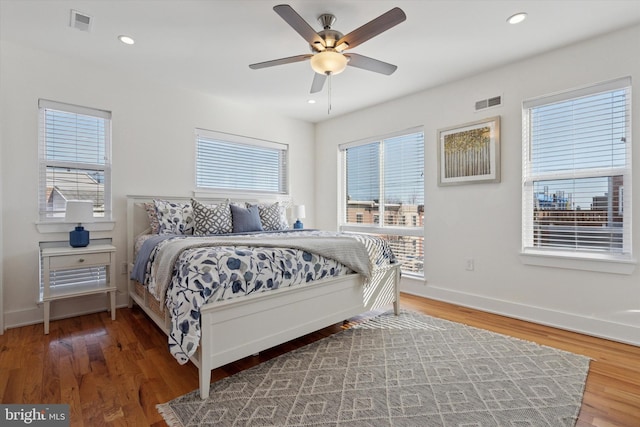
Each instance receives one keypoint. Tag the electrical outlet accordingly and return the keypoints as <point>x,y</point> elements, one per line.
<point>469,264</point>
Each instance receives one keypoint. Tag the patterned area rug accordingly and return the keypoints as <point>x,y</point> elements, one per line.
<point>406,370</point>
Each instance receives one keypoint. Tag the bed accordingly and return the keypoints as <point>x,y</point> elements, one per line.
<point>325,293</point>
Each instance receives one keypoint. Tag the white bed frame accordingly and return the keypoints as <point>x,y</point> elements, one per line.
<point>266,319</point>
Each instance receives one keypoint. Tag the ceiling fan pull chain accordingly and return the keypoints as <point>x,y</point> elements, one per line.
<point>329,93</point>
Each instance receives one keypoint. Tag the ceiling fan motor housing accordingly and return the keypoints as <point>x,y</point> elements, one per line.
<point>329,36</point>
<point>326,20</point>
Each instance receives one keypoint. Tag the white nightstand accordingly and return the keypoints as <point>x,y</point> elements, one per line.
<point>68,258</point>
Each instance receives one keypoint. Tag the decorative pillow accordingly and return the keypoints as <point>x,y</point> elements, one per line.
<point>174,218</point>
<point>150,207</point>
<point>211,219</point>
<point>245,219</point>
<point>273,217</point>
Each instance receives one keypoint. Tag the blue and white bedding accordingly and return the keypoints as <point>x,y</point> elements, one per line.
<point>208,269</point>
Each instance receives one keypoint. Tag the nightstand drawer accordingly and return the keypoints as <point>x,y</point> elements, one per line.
<point>79,260</point>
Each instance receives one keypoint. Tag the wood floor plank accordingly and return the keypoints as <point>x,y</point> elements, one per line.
<point>70,390</point>
<point>50,392</point>
<point>90,401</point>
<point>13,392</point>
<point>32,387</point>
<point>114,373</point>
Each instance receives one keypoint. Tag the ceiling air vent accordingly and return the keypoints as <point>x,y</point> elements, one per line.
<point>489,102</point>
<point>80,20</point>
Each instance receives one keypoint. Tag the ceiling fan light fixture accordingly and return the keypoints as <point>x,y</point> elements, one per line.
<point>329,62</point>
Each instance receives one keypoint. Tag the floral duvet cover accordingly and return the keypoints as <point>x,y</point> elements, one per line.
<point>215,273</point>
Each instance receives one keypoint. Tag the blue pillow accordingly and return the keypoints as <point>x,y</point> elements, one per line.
<point>245,219</point>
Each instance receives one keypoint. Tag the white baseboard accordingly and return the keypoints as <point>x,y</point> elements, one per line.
<point>614,331</point>
<point>60,309</point>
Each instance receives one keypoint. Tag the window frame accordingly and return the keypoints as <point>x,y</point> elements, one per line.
<point>283,172</point>
<point>47,223</point>
<point>602,261</point>
<point>376,227</point>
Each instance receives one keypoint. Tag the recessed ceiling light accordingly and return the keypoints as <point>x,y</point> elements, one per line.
<point>126,39</point>
<point>311,101</point>
<point>517,18</point>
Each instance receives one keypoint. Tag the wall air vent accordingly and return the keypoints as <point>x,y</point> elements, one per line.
<point>489,102</point>
<point>80,20</point>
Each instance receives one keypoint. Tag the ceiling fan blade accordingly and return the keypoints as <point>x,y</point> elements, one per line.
<point>366,63</point>
<point>318,82</point>
<point>373,28</point>
<point>281,61</point>
<point>301,26</point>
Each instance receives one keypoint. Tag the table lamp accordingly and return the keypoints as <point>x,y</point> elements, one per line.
<point>298,212</point>
<point>79,212</point>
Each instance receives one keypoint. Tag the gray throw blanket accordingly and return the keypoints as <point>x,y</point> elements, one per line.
<point>346,250</point>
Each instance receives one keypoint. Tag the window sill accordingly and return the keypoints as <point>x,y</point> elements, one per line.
<point>62,227</point>
<point>584,262</point>
<point>387,229</point>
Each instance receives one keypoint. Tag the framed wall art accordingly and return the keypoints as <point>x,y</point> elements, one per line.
<point>469,153</point>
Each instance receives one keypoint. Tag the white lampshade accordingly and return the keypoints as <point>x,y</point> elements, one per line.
<point>298,211</point>
<point>79,211</point>
<point>329,62</point>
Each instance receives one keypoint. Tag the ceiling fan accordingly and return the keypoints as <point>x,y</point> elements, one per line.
<point>328,46</point>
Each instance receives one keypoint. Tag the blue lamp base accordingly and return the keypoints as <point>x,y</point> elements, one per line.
<point>298,225</point>
<point>79,238</point>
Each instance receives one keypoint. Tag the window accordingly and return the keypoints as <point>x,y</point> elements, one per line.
<point>75,148</point>
<point>576,164</point>
<point>231,162</point>
<point>384,180</point>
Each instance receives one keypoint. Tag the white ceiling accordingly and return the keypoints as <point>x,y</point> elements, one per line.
<point>207,45</point>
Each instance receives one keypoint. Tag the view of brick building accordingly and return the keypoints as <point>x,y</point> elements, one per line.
<point>408,249</point>
<point>558,222</point>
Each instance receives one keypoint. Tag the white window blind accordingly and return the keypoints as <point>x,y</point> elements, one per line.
<point>75,144</point>
<point>403,181</point>
<point>577,171</point>
<point>384,180</point>
<point>231,162</point>
<point>61,281</point>
<point>363,174</point>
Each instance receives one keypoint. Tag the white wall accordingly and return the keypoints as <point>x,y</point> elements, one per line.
<point>153,154</point>
<point>483,221</point>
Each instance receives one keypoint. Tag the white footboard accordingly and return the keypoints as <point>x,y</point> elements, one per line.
<point>279,316</point>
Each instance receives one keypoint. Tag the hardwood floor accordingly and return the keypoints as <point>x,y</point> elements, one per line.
<point>115,372</point>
